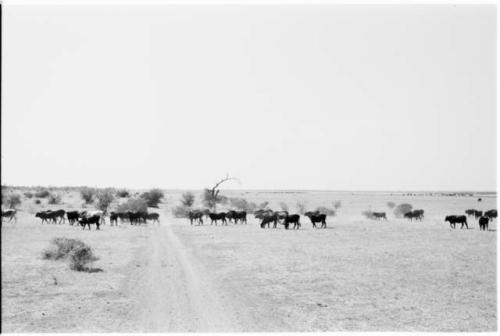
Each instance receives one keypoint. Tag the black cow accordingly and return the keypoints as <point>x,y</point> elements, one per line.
<point>379,215</point>
<point>90,220</point>
<point>214,217</point>
<point>196,215</point>
<point>267,219</point>
<point>292,219</point>
<point>483,223</point>
<point>153,216</point>
<point>316,217</point>
<point>281,215</point>
<point>453,220</point>
<point>417,214</point>
<point>137,217</point>
<point>72,217</point>
<point>470,212</point>
<point>10,214</point>
<point>241,216</point>
<point>113,218</point>
<point>491,214</point>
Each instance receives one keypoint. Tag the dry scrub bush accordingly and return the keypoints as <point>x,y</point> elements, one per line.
<point>391,205</point>
<point>368,214</point>
<point>122,193</point>
<point>242,204</point>
<point>180,211</point>
<point>42,193</point>
<point>54,199</point>
<point>401,209</point>
<point>153,197</point>
<point>337,204</point>
<point>79,254</point>
<point>88,194</point>
<point>187,199</point>
<point>134,205</point>
<point>301,208</point>
<point>283,206</point>
<point>29,194</point>
<point>37,201</point>
<point>325,210</point>
<point>12,201</point>
<point>104,199</point>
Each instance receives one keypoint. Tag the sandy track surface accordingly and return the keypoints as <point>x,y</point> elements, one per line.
<point>174,292</point>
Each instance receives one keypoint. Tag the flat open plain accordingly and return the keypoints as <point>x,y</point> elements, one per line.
<point>356,275</point>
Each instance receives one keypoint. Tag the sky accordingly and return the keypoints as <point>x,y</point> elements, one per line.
<point>329,97</point>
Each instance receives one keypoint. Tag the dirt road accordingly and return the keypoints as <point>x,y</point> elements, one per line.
<point>174,292</point>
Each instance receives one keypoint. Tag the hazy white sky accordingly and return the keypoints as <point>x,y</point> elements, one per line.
<point>365,97</point>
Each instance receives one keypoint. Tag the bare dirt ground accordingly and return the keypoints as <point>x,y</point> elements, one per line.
<point>356,275</point>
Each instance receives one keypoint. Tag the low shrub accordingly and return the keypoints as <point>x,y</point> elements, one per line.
<point>187,199</point>
<point>80,258</point>
<point>134,205</point>
<point>42,193</point>
<point>104,199</point>
<point>78,253</point>
<point>391,205</point>
<point>12,201</point>
<point>301,208</point>
<point>29,194</point>
<point>368,214</point>
<point>180,211</point>
<point>401,209</point>
<point>325,210</point>
<point>88,194</point>
<point>122,193</point>
<point>37,201</point>
<point>54,199</point>
<point>153,197</point>
<point>337,205</point>
<point>283,206</point>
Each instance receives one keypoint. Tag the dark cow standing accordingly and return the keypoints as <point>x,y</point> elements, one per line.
<point>453,220</point>
<point>491,214</point>
<point>483,223</point>
<point>196,215</point>
<point>316,217</point>
<point>155,217</point>
<point>113,218</point>
<point>10,214</point>
<point>214,217</point>
<point>241,216</point>
<point>90,220</point>
<point>72,217</point>
<point>292,219</point>
<point>268,219</point>
<point>379,215</point>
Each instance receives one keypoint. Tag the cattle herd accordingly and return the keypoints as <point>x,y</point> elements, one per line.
<point>87,218</point>
<point>266,217</point>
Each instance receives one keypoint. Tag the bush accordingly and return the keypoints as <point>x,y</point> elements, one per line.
<point>42,193</point>
<point>368,214</point>
<point>37,201</point>
<point>13,200</point>
<point>391,205</point>
<point>104,199</point>
<point>283,206</point>
<point>80,258</point>
<point>153,197</point>
<point>28,194</point>
<point>242,204</point>
<point>325,210</point>
<point>134,205</point>
<point>122,193</point>
<point>337,205</point>
<point>88,194</point>
<point>180,211</point>
<point>263,205</point>
<point>54,199</point>
<point>401,209</point>
<point>187,199</point>
<point>79,253</point>
<point>301,208</point>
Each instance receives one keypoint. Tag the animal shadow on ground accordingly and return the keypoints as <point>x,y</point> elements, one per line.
<point>92,270</point>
